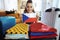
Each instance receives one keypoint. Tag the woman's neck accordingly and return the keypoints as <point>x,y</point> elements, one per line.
<point>29,12</point>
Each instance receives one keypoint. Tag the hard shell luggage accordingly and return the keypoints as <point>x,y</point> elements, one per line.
<point>20,28</point>
<point>40,27</point>
<point>6,22</point>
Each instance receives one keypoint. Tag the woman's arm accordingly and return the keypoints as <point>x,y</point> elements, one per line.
<point>21,17</point>
<point>37,16</point>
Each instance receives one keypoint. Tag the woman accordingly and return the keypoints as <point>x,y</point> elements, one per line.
<point>29,14</point>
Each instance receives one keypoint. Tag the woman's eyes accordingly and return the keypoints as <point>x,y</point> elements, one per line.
<point>29,6</point>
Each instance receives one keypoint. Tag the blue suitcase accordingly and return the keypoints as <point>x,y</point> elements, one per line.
<point>41,33</point>
<point>6,22</point>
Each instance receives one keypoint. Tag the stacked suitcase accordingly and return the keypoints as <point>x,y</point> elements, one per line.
<point>20,30</point>
<point>6,23</point>
<point>39,30</point>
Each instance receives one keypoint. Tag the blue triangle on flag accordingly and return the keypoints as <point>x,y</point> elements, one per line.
<point>24,17</point>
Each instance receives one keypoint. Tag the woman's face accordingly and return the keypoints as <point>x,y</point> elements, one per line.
<point>29,7</point>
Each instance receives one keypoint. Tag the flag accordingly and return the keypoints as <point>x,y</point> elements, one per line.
<point>29,18</point>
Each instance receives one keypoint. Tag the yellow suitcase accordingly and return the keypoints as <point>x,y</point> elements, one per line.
<point>21,28</point>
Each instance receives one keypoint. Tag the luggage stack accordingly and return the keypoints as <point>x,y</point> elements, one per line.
<point>39,30</point>
<point>6,22</point>
<point>18,29</point>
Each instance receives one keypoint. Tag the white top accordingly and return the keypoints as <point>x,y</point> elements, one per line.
<point>30,15</point>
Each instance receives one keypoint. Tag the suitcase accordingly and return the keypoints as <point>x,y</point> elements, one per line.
<point>18,29</point>
<point>6,22</point>
<point>48,36</point>
<point>40,30</point>
<point>41,33</point>
<point>40,27</point>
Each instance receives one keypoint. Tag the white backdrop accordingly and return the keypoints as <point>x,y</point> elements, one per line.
<point>1,4</point>
<point>8,4</point>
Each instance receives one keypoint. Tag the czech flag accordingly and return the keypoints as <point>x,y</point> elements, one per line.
<point>28,19</point>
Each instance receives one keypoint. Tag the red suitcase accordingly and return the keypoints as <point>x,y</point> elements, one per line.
<point>40,27</point>
<point>48,36</point>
